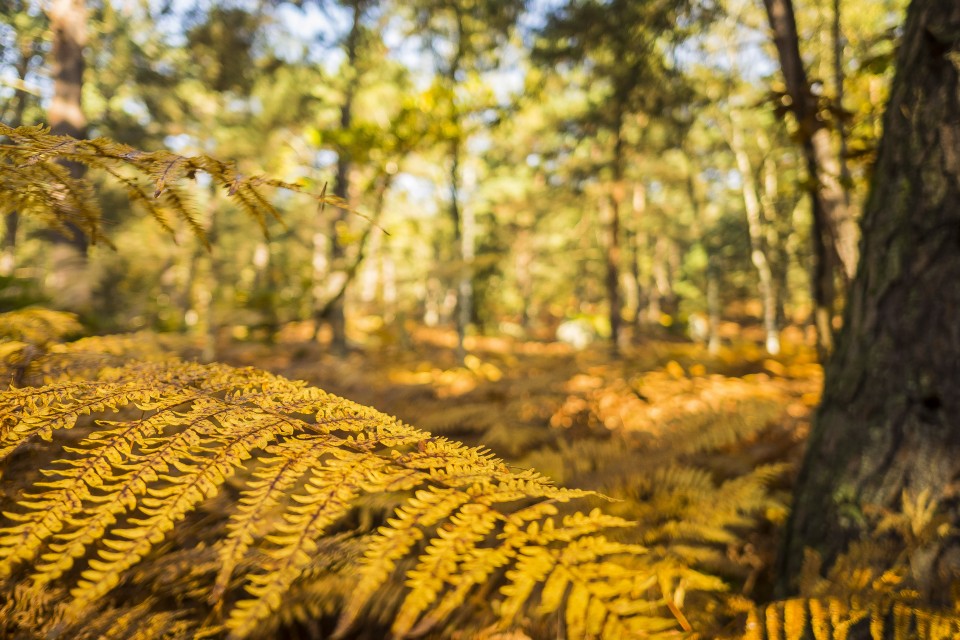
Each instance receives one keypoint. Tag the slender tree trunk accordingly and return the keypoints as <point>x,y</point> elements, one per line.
<point>758,248</point>
<point>467,242</point>
<point>659,280</point>
<point>641,248</point>
<point>703,227</point>
<point>201,278</point>
<point>69,276</point>
<point>266,283</point>
<point>822,283</point>
<point>336,315</point>
<point>885,435</point>
<point>334,294</point>
<point>462,236</point>
<point>523,263</point>
<point>612,279</point>
<point>714,311</point>
<point>462,310</point>
<point>8,253</point>
<point>320,279</point>
<point>633,239</point>
<point>582,289</point>
<point>838,80</point>
<point>833,222</point>
<point>776,239</point>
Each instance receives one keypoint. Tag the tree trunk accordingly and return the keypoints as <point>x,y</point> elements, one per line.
<point>69,278</point>
<point>835,245</point>
<point>887,429</point>
<point>714,311</point>
<point>523,267</point>
<point>332,295</point>
<point>633,241</point>
<point>838,80</point>
<point>704,227</point>
<point>612,249</point>
<point>467,244</point>
<point>759,252</point>
<point>462,312</point>
<point>335,314</point>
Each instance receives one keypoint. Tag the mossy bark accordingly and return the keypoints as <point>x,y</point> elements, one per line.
<point>889,421</point>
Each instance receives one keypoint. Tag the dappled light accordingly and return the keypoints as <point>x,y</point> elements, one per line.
<point>479,319</point>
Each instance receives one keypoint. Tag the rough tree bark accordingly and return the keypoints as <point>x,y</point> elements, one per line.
<point>889,423</point>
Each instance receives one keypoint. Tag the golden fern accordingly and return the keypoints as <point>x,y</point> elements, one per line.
<point>833,618</point>
<point>34,183</point>
<point>37,326</point>
<point>139,493</point>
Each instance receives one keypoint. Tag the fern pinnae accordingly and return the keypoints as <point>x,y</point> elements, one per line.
<point>138,196</point>
<point>534,563</point>
<point>475,570</point>
<point>42,410</point>
<point>164,171</point>
<point>819,620</point>
<point>120,493</point>
<point>261,205</point>
<point>292,458</point>
<point>80,197</point>
<point>327,497</point>
<point>208,456</point>
<point>140,621</point>
<point>48,511</point>
<point>105,448</point>
<point>394,541</point>
<point>438,564</point>
<point>178,202</point>
<point>250,205</point>
<point>603,598</point>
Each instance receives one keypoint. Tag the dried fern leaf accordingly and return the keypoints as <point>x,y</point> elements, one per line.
<point>33,182</point>
<point>114,499</point>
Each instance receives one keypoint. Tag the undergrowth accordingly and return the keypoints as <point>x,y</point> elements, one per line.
<point>229,498</point>
<point>145,496</point>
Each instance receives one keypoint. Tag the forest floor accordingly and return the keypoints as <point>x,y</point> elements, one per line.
<point>701,450</point>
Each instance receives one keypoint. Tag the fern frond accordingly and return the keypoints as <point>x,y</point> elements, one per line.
<point>34,183</point>
<point>125,490</point>
<point>38,326</point>
<point>327,497</point>
<point>394,541</point>
<point>882,616</point>
<point>602,601</point>
<point>292,458</point>
<point>438,565</point>
<point>139,622</point>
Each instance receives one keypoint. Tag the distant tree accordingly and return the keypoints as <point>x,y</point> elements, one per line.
<point>465,38</point>
<point>887,434</point>
<point>834,227</point>
<point>622,46</point>
<point>23,57</point>
<point>68,24</point>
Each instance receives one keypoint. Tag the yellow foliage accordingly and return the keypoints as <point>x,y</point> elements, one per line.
<point>34,183</point>
<point>139,498</point>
